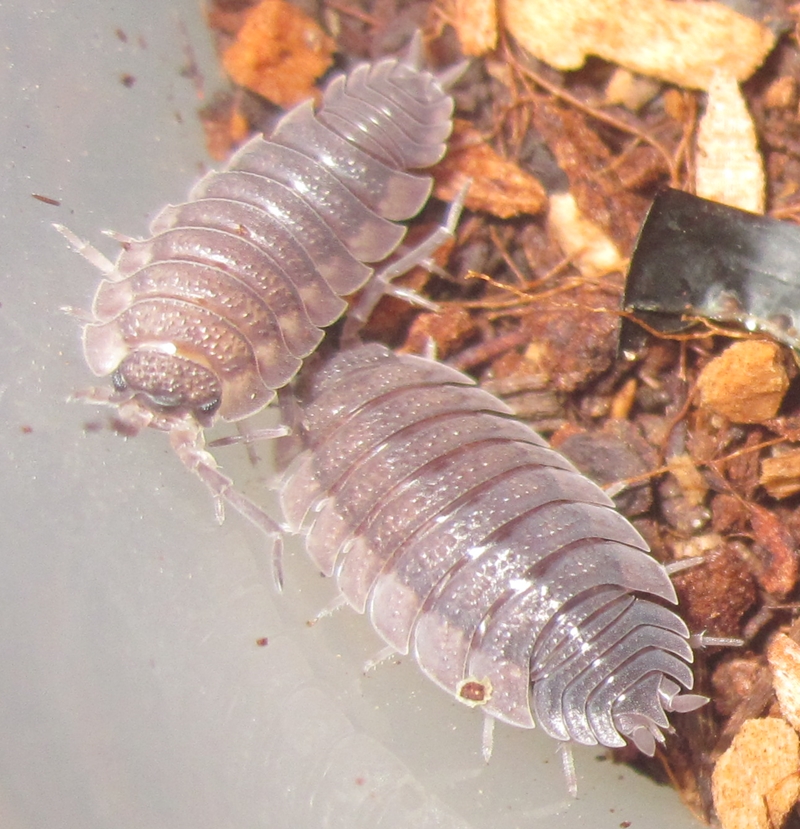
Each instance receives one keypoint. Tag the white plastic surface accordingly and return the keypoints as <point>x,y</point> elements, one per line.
<point>133,692</point>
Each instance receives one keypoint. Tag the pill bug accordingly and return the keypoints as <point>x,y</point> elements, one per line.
<point>471,542</point>
<point>205,318</point>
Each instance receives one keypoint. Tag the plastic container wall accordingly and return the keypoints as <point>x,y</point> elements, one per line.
<point>136,689</point>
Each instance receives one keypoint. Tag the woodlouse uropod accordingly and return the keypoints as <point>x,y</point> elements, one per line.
<point>212,313</point>
<point>468,540</point>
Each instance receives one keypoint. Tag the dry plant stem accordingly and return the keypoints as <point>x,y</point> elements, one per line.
<point>486,351</point>
<point>683,154</point>
<point>597,114</point>
<point>619,160</point>
<point>625,483</point>
<point>525,300</point>
<point>496,305</point>
<point>710,328</point>
<point>553,272</point>
<point>503,250</point>
<point>353,12</point>
<point>525,310</point>
<point>662,470</point>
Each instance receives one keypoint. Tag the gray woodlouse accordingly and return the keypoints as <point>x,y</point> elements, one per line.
<point>216,309</point>
<point>472,543</point>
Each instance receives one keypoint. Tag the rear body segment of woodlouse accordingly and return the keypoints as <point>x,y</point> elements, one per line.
<point>218,307</point>
<point>473,544</point>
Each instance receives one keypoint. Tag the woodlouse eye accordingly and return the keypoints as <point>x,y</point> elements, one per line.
<point>210,407</point>
<point>119,381</point>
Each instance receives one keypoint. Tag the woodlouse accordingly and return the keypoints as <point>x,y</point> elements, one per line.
<point>217,308</point>
<point>467,539</point>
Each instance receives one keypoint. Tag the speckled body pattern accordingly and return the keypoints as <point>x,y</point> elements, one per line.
<point>472,543</point>
<point>220,305</point>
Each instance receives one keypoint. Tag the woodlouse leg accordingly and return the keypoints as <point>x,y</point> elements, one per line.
<point>95,395</point>
<point>130,415</point>
<point>414,56</point>
<point>87,250</point>
<point>487,738</point>
<point>289,409</point>
<point>187,441</point>
<point>612,490</point>
<point>380,657</point>
<point>337,604</point>
<point>122,238</point>
<point>683,564</point>
<point>79,314</point>
<point>451,76</point>
<point>568,764</point>
<point>380,283</point>
<point>253,436</point>
<point>698,641</point>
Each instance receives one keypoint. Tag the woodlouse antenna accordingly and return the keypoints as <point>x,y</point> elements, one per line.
<point>88,251</point>
<point>414,56</point>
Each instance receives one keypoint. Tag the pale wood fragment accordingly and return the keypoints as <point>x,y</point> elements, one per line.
<point>755,783</point>
<point>729,167</point>
<point>680,42</point>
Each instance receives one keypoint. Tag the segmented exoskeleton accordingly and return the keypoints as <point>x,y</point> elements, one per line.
<point>217,308</point>
<point>472,543</point>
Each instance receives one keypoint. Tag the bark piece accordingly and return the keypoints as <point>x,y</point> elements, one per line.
<point>448,331</point>
<point>755,782</point>
<point>683,43</point>
<point>780,475</point>
<point>279,53</point>
<point>746,383</point>
<point>572,335</point>
<point>475,22</point>
<point>593,172</point>
<point>716,595</point>
<point>779,562</point>
<point>497,185</point>
<point>783,654</point>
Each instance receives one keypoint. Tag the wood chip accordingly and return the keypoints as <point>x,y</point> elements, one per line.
<point>475,22</point>
<point>593,171</point>
<point>781,93</point>
<point>780,475</point>
<point>572,335</point>
<point>683,43</point>
<point>776,551</point>
<point>590,249</point>
<point>224,127</point>
<point>717,595</point>
<point>746,383</point>
<point>630,90</point>
<point>497,185</point>
<point>755,782</point>
<point>729,167</point>
<point>691,481</point>
<point>783,655</point>
<point>279,53</point>
<point>447,331</point>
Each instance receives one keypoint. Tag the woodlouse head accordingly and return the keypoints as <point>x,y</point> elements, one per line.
<point>169,383</point>
<point>175,363</point>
